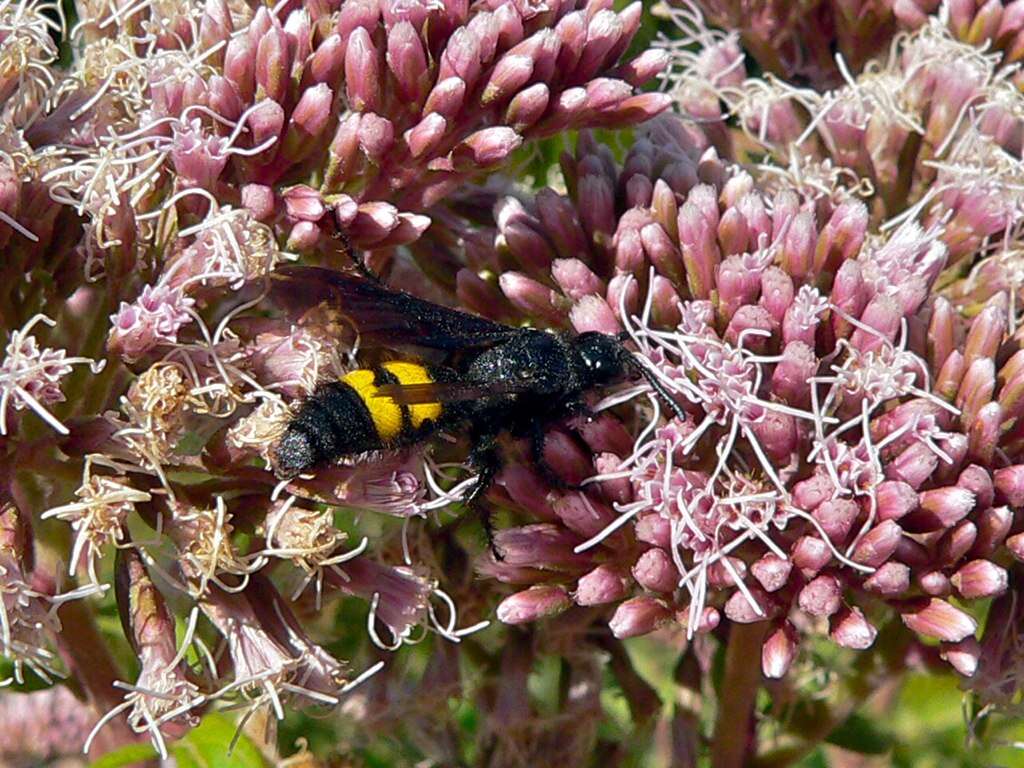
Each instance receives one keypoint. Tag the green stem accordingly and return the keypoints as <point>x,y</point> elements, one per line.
<point>733,739</point>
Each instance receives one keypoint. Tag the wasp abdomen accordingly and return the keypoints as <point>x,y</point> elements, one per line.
<point>349,416</point>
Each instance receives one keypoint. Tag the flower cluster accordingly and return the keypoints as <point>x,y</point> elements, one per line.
<point>817,269</point>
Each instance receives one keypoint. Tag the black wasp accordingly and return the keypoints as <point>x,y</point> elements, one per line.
<point>456,372</point>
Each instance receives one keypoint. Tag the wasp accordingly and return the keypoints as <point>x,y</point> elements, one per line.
<point>455,372</point>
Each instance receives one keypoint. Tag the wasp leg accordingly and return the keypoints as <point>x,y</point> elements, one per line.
<point>357,258</point>
<point>538,436</point>
<point>485,459</point>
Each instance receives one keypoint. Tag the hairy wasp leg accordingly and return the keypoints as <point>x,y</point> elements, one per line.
<point>485,459</point>
<point>357,258</point>
<point>538,437</point>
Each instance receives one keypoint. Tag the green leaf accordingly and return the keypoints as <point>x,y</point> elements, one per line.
<point>129,755</point>
<point>206,746</point>
<point>861,735</point>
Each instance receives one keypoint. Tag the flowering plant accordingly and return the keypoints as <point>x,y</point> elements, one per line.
<point>801,218</point>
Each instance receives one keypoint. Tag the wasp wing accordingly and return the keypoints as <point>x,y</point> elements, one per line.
<point>448,391</point>
<point>385,317</point>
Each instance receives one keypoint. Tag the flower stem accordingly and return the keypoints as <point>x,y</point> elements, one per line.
<point>734,738</point>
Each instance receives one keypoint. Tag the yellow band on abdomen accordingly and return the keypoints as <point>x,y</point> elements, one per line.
<point>385,412</point>
<point>413,373</point>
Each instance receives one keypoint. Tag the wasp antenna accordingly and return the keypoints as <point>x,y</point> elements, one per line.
<point>657,386</point>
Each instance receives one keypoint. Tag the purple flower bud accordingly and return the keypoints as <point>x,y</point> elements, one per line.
<point>779,650</point>
<point>531,297</point>
<point>744,609</point>
<point>648,64</point>
<point>938,619</point>
<point>890,580</point>
<point>849,629</point>
<point>533,604</point>
<point>362,72</point>
<point>273,65</point>
<point>993,525</point>
<point>771,571</point>
<point>822,596</point>
<point>486,148</point>
<point>842,237</point>
<point>638,616</point>
<point>1015,544</point>
<point>528,106</point>
<point>376,137</point>
<point>461,57</point>
<point>240,66</point>
<point>810,554</point>
<point>328,62</point>
<point>655,571</point>
<point>793,372</point>
<point>408,62</point>
<point>935,583</point>
<point>308,122</point>
<point>592,313</point>
<point>963,656</point>
<point>1009,483</point>
<point>836,517</point>
<point>939,509</point>
<point>447,98</point>
<point>602,585</point>
<point>980,578</point>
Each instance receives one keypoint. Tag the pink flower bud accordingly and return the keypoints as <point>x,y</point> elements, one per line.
<point>779,650</point>
<point>541,545</point>
<point>592,313</point>
<point>940,508</point>
<point>1009,483</point>
<point>994,525</point>
<point>822,596</point>
<point>528,106</point>
<point>938,619</point>
<point>792,374</point>
<point>883,315</point>
<point>259,199</point>
<point>328,62</point>
<point>810,554</point>
<point>980,578</point>
<point>963,656</point>
<point>273,65</point>
<point>407,61</point>
<point>849,294</point>
<point>895,500</point>
<point>891,579</point>
<point>533,604</point>
<point>655,571</point>
<point>744,609</point>
<point>849,629</point>
<point>531,297</point>
<point>602,585</point>
<point>639,616</point>
<point>240,66</point>
<point>447,98</point>
<point>935,583</point>
<point>842,237</point>
<point>486,148</point>
<point>376,137</point>
<point>771,571</point>
<point>836,518</point>
<point>308,122</point>
<point>362,72</point>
